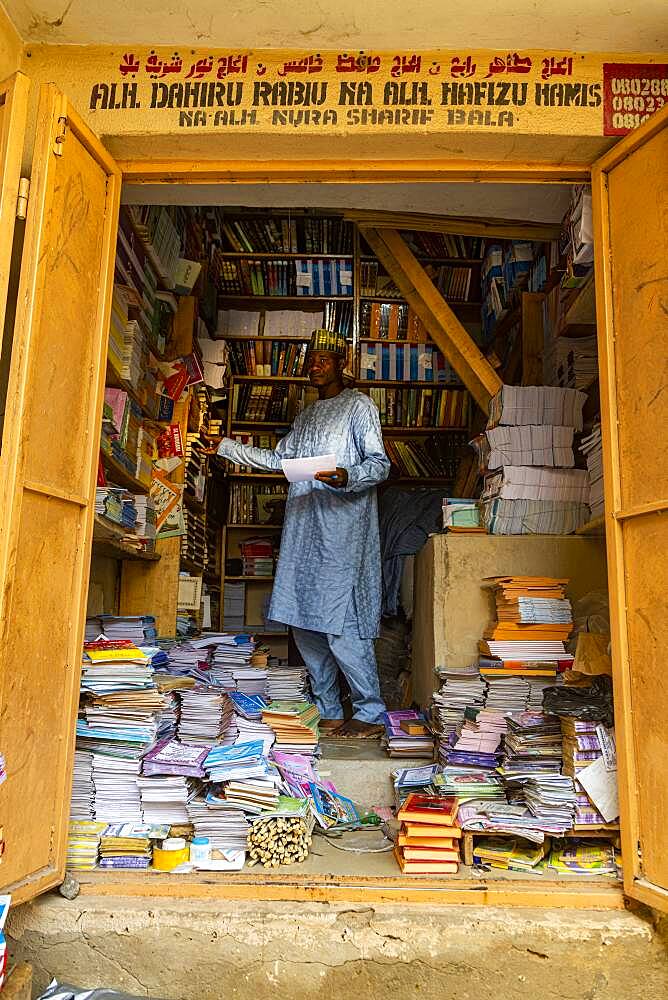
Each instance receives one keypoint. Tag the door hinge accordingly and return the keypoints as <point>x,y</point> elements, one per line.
<point>60,135</point>
<point>22,200</point>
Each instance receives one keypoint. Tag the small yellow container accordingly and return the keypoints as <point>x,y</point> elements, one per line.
<point>174,852</point>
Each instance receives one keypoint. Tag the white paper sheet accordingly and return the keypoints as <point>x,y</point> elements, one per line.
<point>601,787</point>
<point>302,470</point>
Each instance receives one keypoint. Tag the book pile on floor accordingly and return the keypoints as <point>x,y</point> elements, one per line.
<point>527,457</point>
<point>406,780</point>
<point>581,748</point>
<point>407,734</point>
<point>83,844</point>
<point>461,688</point>
<point>295,724</point>
<point>428,841</point>
<point>124,845</point>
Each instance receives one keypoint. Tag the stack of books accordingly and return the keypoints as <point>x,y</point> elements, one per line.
<point>461,688</point>
<point>428,841</point>
<point>164,798</point>
<point>509,854</point>
<point>285,683</point>
<point>581,747</point>
<point>258,556</point>
<point>527,444</point>
<point>591,447</point>
<point>83,789</point>
<point>225,826</point>
<point>534,621</point>
<point>544,494</point>
<point>295,724</point>
<point>414,779</point>
<point>205,715</point>
<point>83,845</point>
<point>407,734</point>
<point>234,605</point>
<point>125,845</point>
<point>460,515</point>
<point>571,362</point>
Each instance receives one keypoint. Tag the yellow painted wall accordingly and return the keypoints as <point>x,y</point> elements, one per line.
<point>11,47</point>
<point>182,103</point>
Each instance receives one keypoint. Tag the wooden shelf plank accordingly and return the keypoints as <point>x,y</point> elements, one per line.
<point>594,527</point>
<point>281,255</point>
<point>300,299</point>
<point>242,340</point>
<point>108,541</point>
<point>255,527</point>
<point>260,423</point>
<point>191,565</point>
<point>269,378</point>
<point>463,261</point>
<point>251,579</point>
<point>407,383</point>
<point>119,476</point>
<point>425,431</point>
<point>257,475</point>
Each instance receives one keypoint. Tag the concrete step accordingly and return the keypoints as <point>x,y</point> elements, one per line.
<point>192,949</point>
<point>361,770</point>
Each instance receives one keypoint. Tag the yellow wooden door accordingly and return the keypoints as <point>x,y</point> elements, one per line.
<point>630,188</point>
<point>13,115</point>
<point>47,483</point>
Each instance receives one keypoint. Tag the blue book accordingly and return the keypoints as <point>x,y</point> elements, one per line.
<point>414,364</point>
<point>385,369</point>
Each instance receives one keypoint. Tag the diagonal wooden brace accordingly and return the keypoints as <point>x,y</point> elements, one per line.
<point>446,331</point>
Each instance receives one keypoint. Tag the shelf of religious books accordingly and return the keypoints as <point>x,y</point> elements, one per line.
<point>424,409</point>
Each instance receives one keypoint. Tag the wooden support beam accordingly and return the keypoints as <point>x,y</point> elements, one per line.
<point>445,329</point>
<point>532,338</point>
<point>506,229</point>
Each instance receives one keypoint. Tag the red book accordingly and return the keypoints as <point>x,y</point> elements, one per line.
<point>433,809</point>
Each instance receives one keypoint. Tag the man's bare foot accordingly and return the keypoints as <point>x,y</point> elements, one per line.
<point>354,729</point>
<point>329,726</point>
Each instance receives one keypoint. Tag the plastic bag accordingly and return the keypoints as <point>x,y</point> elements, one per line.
<point>593,703</point>
<point>65,991</point>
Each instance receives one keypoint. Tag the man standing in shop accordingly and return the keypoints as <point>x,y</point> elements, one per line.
<point>328,577</point>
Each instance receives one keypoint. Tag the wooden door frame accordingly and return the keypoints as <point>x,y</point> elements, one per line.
<point>324,887</point>
<point>616,516</point>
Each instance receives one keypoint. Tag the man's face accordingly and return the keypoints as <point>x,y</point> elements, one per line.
<point>324,368</point>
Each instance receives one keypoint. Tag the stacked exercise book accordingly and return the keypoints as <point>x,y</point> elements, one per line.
<point>428,841</point>
<point>524,650</point>
<point>526,458</point>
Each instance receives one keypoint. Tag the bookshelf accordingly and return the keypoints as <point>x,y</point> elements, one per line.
<point>431,450</point>
<point>150,323</point>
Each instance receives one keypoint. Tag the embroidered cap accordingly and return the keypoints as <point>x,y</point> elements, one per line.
<point>328,340</point>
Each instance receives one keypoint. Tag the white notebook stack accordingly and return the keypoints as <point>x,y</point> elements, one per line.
<point>531,486</point>
<point>528,444</point>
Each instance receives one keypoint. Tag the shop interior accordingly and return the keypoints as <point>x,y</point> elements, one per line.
<point>217,289</point>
